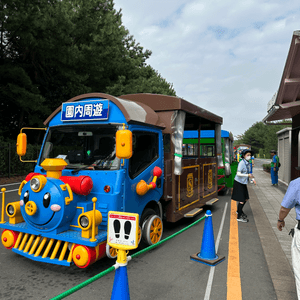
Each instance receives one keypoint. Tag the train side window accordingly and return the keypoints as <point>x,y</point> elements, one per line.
<point>189,150</point>
<point>145,152</point>
<point>167,143</point>
<point>207,150</point>
<point>184,150</point>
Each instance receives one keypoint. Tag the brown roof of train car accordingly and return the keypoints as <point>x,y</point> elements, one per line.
<point>158,109</point>
<point>167,103</point>
<point>149,116</point>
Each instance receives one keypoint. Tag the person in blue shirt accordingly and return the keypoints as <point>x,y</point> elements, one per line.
<point>274,168</point>
<point>292,200</point>
<point>240,191</point>
<point>251,161</point>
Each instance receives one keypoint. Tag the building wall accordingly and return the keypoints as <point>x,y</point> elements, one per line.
<point>295,171</point>
<point>284,153</point>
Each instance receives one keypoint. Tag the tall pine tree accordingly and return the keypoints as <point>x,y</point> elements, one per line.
<point>52,50</point>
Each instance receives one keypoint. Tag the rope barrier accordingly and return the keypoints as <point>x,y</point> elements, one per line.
<point>112,268</point>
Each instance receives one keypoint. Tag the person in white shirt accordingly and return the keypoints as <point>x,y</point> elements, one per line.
<point>240,190</point>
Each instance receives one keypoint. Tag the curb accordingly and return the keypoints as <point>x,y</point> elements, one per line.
<point>13,179</point>
<point>279,267</point>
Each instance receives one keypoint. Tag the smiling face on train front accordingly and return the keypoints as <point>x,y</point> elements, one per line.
<point>43,202</point>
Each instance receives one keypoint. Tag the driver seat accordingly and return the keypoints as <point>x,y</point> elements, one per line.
<point>106,147</point>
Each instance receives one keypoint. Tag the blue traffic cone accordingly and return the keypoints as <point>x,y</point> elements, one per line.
<point>121,288</point>
<point>208,254</point>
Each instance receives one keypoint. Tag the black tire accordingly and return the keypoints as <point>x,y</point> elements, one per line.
<point>145,215</point>
<point>149,215</point>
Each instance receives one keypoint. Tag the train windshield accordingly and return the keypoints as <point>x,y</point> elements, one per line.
<point>90,146</point>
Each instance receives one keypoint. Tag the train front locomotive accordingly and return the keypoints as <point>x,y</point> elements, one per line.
<point>46,204</point>
<point>53,221</point>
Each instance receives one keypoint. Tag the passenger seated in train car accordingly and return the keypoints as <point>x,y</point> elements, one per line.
<point>189,151</point>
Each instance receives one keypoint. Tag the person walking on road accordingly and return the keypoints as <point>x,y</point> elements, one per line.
<point>240,190</point>
<point>274,168</point>
<point>292,200</point>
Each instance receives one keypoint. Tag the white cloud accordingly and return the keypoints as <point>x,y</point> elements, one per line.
<point>223,55</point>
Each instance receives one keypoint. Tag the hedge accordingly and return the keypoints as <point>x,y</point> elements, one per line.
<point>267,167</point>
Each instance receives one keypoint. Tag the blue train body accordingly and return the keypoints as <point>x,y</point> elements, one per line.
<point>62,214</point>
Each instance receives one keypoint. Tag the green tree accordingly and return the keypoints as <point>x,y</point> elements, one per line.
<point>52,50</point>
<point>262,136</point>
<point>147,80</point>
<point>20,101</point>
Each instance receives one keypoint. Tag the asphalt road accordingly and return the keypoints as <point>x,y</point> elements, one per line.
<point>258,162</point>
<point>166,272</point>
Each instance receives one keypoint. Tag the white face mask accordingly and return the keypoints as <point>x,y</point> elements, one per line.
<point>248,158</point>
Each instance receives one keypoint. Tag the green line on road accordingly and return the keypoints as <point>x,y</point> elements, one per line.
<point>112,268</point>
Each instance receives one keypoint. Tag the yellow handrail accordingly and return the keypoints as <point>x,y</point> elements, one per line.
<point>70,198</point>
<point>21,187</point>
<point>3,205</point>
<point>21,131</point>
<point>94,216</point>
<point>45,128</point>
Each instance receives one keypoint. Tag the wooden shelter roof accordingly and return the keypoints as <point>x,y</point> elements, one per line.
<point>286,102</point>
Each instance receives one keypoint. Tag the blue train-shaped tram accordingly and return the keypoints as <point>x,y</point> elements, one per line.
<point>103,153</point>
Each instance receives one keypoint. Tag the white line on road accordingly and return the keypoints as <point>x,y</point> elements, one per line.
<point>212,269</point>
<point>10,184</point>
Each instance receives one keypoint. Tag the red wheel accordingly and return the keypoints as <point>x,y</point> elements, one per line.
<point>9,238</point>
<point>83,256</point>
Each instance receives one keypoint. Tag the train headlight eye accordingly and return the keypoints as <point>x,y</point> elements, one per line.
<point>84,221</point>
<point>26,197</point>
<point>35,184</point>
<point>10,210</point>
<point>46,200</point>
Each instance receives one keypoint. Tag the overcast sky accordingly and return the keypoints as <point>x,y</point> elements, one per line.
<point>225,56</point>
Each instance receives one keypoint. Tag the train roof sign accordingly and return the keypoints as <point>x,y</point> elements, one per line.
<point>93,109</point>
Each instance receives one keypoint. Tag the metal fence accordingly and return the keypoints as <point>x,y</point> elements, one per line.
<point>10,164</point>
